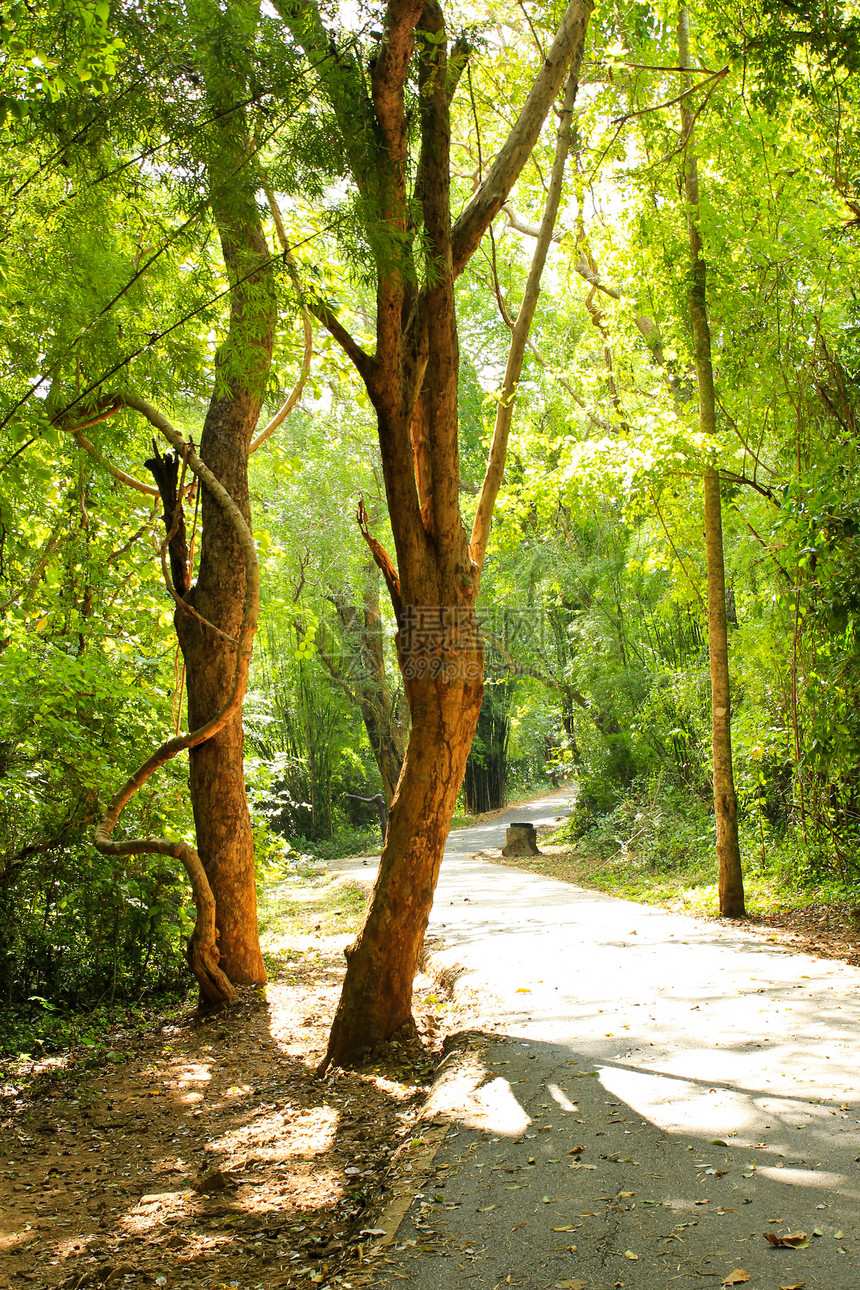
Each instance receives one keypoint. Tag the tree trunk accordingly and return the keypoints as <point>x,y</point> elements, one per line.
<point>377,996</point>
<point>217,775</point>
<point>411,379</point>
<point>362,632</point>
<point>725,800</point>
<point>484,783</point>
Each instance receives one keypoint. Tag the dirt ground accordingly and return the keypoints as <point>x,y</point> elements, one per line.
<point>206,1152</point>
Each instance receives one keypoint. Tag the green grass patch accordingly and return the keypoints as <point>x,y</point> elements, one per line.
<point>691,889</point>
<point>311,907</point>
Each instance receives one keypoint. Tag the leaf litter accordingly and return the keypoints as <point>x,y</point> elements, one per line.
<point>204,1152</point>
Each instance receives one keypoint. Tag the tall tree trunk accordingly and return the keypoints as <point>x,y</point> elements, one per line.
<point>412,382</point>
<point>725,799</point>
<point>217,776</point>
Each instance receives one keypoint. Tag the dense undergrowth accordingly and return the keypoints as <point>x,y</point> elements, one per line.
<point>657,844</point>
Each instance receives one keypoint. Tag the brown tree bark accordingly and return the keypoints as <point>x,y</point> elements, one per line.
<point>412,382</point>
<point>203,951</point>
<point>217,780</point>
<point>217,775</point>
<point>725,800</point>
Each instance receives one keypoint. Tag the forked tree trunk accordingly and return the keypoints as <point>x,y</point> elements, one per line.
<point>411,379</point>
<point>725,800</point>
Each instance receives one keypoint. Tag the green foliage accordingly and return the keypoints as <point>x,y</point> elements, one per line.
<point>119,131</point>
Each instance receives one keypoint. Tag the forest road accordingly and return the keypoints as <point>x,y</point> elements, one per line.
<point>658,1093</point>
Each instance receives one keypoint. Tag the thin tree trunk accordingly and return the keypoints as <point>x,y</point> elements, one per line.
<point>725,800</point>
<point>362,632</point>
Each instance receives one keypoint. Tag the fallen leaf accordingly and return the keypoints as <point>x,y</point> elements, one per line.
<point>798,1285</point>
<point>628,1254</point>
<point>570,1227</point>
<point>790,1241</point>
<point>217,1180</point>
<point>718,1142</point>
<point>571,1285</point>
<point>486,1209</point>
<point>736,1278</point>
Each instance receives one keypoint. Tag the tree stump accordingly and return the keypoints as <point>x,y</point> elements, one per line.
<point>521,840</point>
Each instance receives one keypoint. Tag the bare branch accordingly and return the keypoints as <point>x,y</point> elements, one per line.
<point>658,107</point>
<point>519,337</point>
<point>293,397</point>
<point>522,225</point>
<point>89,447</point>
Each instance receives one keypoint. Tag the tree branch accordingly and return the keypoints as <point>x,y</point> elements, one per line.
<point>493,193</point>
<point>522,327</point>
<point>295,394</point>
<point>89,447</point>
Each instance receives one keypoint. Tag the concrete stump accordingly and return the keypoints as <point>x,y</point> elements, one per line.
<point>521,840</point>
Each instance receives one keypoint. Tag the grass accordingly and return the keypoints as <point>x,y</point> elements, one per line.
<point>690,889</point>
<point>297,912</point>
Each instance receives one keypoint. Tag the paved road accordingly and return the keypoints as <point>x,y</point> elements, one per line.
<point>664,1090</point>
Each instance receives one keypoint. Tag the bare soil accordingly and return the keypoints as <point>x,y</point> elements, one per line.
<point>206,1152</point>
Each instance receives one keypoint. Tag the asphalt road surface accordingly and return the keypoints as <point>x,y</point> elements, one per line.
<point>660,1093</point>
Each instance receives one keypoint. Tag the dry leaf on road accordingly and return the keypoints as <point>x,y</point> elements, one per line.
<point>791,1240</point>
<point>736,1278</point>
<point>798,1285</point>
<point>571,1285</point>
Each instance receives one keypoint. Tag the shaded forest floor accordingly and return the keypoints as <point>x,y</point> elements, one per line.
<point>206,1152</point>
<point>828,927</point>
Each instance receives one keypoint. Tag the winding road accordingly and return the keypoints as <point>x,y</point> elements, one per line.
<point>659,1094</point>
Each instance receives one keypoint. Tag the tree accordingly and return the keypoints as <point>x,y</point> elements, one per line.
<point>725,799</point>
<point>412,381</point>
<point>196,104</point>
